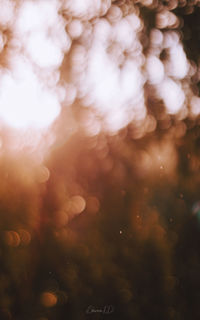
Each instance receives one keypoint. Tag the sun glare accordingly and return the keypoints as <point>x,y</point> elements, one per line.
<point>29,91</point>
<point>60,53</point>
<point>25,101</point>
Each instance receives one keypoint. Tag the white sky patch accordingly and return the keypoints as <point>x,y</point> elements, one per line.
<point>171,38</point>
<point>172,95</point>
<point>113,91</point>
<point>75,28</point>
<point>124,34</point>
<point>43,51</point>
<point>118,120</point>
<point>6,12</point>
<point>155,70</point>
<point>29,92</point>
<point>113,82</point>
<point>86,9</point>
<point>80,8</point>
<point>177,65</point>
<point>114,14</point>
<point>24,100</point>
<point>195,106</point>
<point>102,77</point>
<point>156,37</point>
<point>34,15</point>
<point>42,32</point>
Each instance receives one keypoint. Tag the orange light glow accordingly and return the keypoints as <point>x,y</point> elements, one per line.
<point>48,299</point>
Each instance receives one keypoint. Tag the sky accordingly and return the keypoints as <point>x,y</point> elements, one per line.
<point>107,68</point>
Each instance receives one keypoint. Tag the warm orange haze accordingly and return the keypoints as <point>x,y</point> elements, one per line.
<point>99,159</point>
